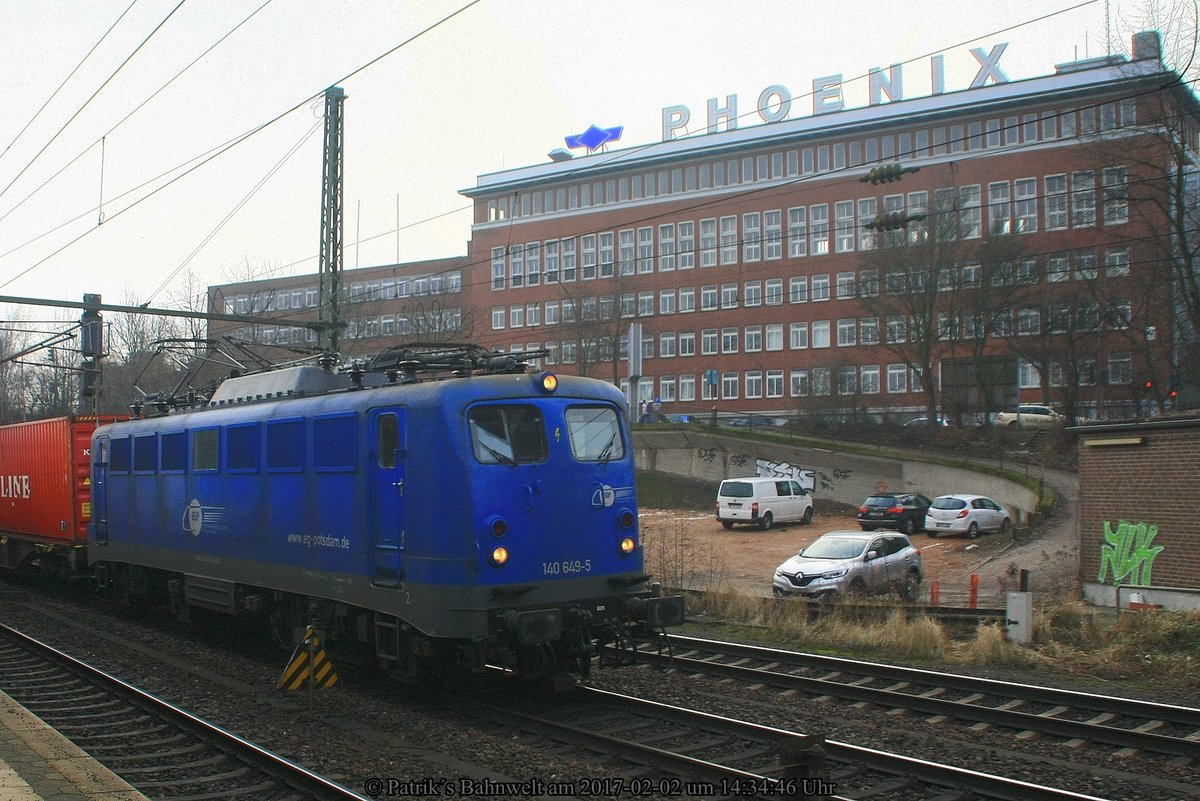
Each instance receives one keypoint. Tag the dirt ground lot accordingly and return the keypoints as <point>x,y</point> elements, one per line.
<point>745,558</point>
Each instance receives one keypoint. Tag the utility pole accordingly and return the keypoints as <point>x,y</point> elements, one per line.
<point>91,349</point>
<point>330,267</point>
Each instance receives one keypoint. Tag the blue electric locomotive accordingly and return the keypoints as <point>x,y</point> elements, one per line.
<point>486,519</point>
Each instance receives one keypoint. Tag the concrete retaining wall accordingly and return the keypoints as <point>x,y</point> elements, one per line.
<point>713,455</point>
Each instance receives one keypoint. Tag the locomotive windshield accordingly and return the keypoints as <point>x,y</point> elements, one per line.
<point>510,434</point>
<point>595,433</point>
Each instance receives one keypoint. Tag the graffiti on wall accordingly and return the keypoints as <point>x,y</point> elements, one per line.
<point>1128,552</point>
<point>802,475</point>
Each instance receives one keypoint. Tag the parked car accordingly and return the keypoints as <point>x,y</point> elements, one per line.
<point>918,422</point>
<point>905,512</point>
<point>754,421</point>
<point>763,502</point>
<point>859,563</point>
<point>966,514</point>
<point>1030,415</point>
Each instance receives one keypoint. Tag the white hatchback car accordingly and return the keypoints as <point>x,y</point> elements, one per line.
<point>1029,415</point>
<point>966,514</point>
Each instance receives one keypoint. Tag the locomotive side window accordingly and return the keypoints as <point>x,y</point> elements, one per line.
<point>119,449</point>
<point>145,453</point>
<point>595,433</point>
<point>285,444</point>
<point>174,452</point>
<point>388,436</point>
<point>335,441</point>
<point>205,448</point>
<point>510,434</point>
<point>242,447</point>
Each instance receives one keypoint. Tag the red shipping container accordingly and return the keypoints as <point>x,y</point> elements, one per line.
<point>46,486</point>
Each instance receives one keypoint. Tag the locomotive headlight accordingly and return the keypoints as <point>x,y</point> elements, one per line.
<point>626,519</point>
<point>627,546</point>
<point>497,526</point>
<point>548,382</point>
<point>499,555</point>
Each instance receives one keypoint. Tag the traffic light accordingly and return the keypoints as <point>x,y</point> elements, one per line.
<point>1173,387</point>
<point>1148,385</point>
<point>892,220</point>
<point>886,174</point>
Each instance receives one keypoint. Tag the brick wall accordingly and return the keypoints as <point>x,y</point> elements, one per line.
<point>1153,483</point>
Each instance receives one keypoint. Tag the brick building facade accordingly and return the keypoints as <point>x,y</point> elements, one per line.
<point>754,261</point>
<point>1020,255</point>
<point>1136,525</point>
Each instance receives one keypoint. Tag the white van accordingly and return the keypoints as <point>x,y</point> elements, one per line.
<point>763,502</point>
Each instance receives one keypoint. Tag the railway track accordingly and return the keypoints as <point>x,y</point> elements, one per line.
<point>668,750</point>
<point>1076,717</point>
<point>160,749</point>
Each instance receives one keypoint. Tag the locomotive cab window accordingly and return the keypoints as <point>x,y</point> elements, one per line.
<point>205,448</point>
<point>595,433</point>
<point>509,434</point>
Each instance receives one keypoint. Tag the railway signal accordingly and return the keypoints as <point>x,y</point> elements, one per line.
<point>886,174</point>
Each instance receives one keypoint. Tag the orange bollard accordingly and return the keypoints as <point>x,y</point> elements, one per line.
<point>934,593</point>
<point>974,602</point>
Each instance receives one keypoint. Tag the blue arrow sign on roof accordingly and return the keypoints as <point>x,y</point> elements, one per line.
<point>594,137</point>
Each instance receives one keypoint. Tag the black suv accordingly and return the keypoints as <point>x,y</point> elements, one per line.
<point>905,512</point>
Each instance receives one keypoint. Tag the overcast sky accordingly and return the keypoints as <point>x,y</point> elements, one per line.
<point>497,86</point>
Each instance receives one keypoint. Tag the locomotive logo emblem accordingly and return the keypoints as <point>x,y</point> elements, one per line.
<point>603,496</point>
<point>195,516</point>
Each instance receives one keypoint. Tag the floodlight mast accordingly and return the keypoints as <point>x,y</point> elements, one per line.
<point>330,266</point>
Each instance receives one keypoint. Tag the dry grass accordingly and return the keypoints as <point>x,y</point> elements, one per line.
<point>1158,649</point>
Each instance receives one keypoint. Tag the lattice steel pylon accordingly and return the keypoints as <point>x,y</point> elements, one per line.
<point>330,267</point>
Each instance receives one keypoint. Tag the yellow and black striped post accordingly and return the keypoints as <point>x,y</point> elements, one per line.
<point>309,664</point>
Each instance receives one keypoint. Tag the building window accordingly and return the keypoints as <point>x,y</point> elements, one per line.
<point>708,342</point>
<point>646,303</point>
<point>752,293</point>
<point>589,257</point>
<point>666,248</point>
<point>708,297</point>
<point>847,381</point>
<point>687,299</point>
<point>754,384</point>
<point>798,336</point>
<point>1056,202</point>
<point>516,316</point>
<point>606,254</point>
<point>799,383</point>
<point>1116,196</point>
<point>666,344</point>
<point>819,231</point>
<point>798,290</point>
<point>797,232</point>
<point>625,241</point>
<point>970,215</point>
<point>820,334</point>
<point>1029,322</point>
<point>897,328</point>
<point>1116,262</point>
<point>868,330</point>
<point>729,296</point>
<point>687,245</point>
<point>729,340</point>
<point>687,388</point>
<point>774,234</point>
<point>775,383</point>
<point>845,285</point>
<point>866,214</point>
<point>729,386</point>
<point>666,389</point>
<point>729,240</point>
<point>868,379</point>
<point>774,337</point>
<point>821,380</point>
<point>666,301</point>
<point>820,287</point>
<point>1120,369</point>
<point>645,249</point>
<point>1026,204</point>
<point>1028,376</point>
<point>868,284</point>
<point>847,332</point>
<point>1083,199</point>
<point>687,343</point>
<point>497,318</point>
<point>897,378</point>
<point>1085,265</point>
<point>844,222</point>
<point>999,210</point>
<point>708,243</point>
<point>753,338</point>
<point>751,236</point>
<point>774,292</point>
<point>1058,268</point>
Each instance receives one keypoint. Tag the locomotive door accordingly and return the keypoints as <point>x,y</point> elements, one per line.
<point>99,498</point>
<point>386,471</point>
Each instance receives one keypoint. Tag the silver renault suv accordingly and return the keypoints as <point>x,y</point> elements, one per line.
<point>856,563</point>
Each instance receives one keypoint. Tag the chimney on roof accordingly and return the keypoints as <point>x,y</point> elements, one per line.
<point>1147,45</point>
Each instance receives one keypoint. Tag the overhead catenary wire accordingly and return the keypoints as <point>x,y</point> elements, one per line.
<point>136,109</point>
<point>230,144</point>
<point>67,79</point>
<point>79,111</point>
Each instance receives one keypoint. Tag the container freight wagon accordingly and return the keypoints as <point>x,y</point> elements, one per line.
<point>46,493</point>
